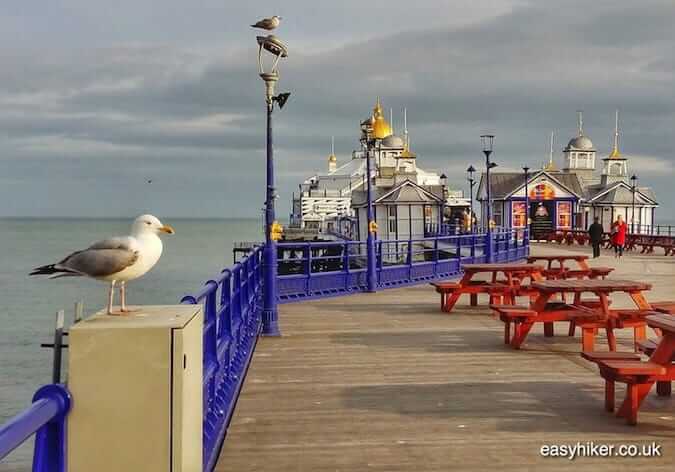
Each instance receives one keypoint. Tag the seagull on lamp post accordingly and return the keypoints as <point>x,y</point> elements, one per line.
<point>268,23</point>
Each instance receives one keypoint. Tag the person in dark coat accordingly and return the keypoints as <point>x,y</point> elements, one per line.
<point>595,234</point>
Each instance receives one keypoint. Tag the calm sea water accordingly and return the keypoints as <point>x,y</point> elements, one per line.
<point>198,250</point>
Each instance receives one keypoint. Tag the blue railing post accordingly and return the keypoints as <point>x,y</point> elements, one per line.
<point>225,324</point>
<point>489,240</point>
<point>345,263</point>
<point>50,440</point>
<point>459,247</point>
<point>308,286</point>
<point>380,260</point>
<point>46,418</point>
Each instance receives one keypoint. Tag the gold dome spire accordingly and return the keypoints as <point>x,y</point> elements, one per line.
<point>615,150</point>
<point>381,129</point>
<point>550,165</point>
<point>332,158</point>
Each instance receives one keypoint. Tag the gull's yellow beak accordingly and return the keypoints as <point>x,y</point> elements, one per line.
<point>167,229</point>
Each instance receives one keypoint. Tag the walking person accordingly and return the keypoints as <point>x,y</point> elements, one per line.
<point>595,234</point>
<point>619,230</point>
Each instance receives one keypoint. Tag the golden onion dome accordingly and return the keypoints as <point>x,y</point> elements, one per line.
<point>407,154</point>
<point>381,128</point>
<point>332,158</point>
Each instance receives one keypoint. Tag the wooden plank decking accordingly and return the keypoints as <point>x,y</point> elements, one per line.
<point>387,382</point>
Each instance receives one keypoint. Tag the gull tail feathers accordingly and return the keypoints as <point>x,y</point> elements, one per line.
<point>54,271</point>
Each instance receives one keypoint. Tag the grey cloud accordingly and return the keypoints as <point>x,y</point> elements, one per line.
<point>519,74</point>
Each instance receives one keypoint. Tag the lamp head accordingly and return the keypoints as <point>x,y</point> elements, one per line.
<point>277,50</point>
<point>526,169</point>
<point>487,141</point>
<point>492,165</point>
<point>633,178</point>
<point>469,173</point>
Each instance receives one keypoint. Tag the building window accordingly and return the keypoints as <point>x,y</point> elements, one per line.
<point>518,214</point>
<point>497,214</point>
<point>564,215</point>
<point>391,217</point>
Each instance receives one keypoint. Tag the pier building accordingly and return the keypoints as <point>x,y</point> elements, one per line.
<point>330,201</point>
<point>571,197</point>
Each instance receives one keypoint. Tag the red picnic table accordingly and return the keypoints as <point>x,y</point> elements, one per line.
<point>563,271</point>
<point>506,287</point>
<point>639,376</point>
<point>590,315</point>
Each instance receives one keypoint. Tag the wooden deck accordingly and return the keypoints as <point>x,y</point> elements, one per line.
<point>387,382</point>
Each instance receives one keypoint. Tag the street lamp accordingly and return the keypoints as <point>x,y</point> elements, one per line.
<point>371,269</point>
<point>270,48</point>
<point>472,181</point>
<point>633,182</point>
<point>487,140</point>
<point>526,171</point>
<point>444,185</point>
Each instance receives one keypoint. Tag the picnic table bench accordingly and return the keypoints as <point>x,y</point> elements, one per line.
<point>639,376</point>
<point>562,270</point>
<point>589,315</point>
<point>561,259</point>
<point>500,289</point>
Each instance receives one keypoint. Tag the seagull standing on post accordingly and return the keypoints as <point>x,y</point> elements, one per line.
<point>268,23</point>
<point>113,260</point>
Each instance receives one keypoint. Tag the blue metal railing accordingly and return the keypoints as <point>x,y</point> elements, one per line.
<point>46,419</point>
<point>232,321</point>
<point>323,269</point>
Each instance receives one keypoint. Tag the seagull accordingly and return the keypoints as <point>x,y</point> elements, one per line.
<point>268,23</point>
<point>118,259</point>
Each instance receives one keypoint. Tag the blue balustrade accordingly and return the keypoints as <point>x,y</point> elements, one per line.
<point>232,305</point>
<point>46,419</point>
<point>232,322</point>
<point>309,270</point>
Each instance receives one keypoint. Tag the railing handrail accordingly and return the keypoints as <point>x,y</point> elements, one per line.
<point>232,318</point>
<point>46,419</point>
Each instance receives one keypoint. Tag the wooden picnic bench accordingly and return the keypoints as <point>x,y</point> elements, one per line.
<point>499,289</point>
<point>561,270</point>
<point>588,315</point>
<point>639,376</point>
<point>561,259</point>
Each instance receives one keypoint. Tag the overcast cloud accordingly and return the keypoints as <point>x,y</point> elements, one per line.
<point>97,97</point>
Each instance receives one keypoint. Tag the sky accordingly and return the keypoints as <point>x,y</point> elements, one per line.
<point>99,98</point>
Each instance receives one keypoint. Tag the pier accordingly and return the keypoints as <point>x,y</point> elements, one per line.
<point>386,381</point>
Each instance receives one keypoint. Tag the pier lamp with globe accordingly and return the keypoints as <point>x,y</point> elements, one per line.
<point>270,52</point>
<point>487,141</point>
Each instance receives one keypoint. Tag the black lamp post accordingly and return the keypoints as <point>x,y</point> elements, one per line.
<point>487,140</point>
<point>472,181</point>
<point>633,181</point>
<point>444,184</point>
<point>270,75</point>
<point>526,171</point>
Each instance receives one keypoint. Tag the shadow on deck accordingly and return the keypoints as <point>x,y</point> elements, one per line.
<point>387,382</point>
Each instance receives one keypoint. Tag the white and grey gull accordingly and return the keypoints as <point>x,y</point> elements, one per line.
<point>268,23</point>
<point>117,259</point>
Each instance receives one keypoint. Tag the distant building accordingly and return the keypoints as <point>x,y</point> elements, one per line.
<point>406,197</point>
<point>571,197</point>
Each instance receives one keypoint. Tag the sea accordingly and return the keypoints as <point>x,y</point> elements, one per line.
<point>199,250</point>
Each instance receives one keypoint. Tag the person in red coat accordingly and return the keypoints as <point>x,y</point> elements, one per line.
<point>619,230</point>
